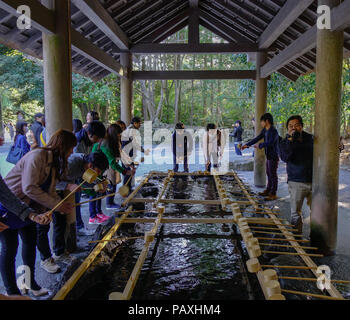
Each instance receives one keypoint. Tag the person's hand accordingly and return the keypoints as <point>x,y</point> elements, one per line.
<point>130,171</point>
<point>147,152</point>
<point>256,146</point>
<point>71,187</point>
<point>244,147</point>
<point>3,227</point>
<point>65,207</point>
<point>2,141</point>
<point>42,219</point>
<point>85,126</point>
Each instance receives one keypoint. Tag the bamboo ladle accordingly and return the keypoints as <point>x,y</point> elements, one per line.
<point>89,176</point>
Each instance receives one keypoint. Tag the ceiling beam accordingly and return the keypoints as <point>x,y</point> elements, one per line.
<point>222,27</point>
<point>341,16</point>
<point>300,46</point>
<point>102,19</point>
<point>167,26</point>
<point>307,41</point>
<point>286,16</point>
<point>193,23</point>
<point>202,48</point>
<point>195,75</point>
<point>83,46</point>
<point>42,18</point>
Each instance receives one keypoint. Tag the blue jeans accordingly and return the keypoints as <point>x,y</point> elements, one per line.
<point>94,207</point>
<point>80,223</point>
<point>238,151</point>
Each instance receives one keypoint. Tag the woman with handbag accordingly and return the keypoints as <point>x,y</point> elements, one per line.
<point>21,145</point>
<point>33,180</point>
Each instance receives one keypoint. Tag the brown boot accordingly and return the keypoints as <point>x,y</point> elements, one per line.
<point>264,193</point>
<point>271,197</point>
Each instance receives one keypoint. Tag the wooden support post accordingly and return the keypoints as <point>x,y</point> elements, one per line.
<point>324,212</point>
<point>58,69</point>
<point>126,89</point>
<point>260,109</point>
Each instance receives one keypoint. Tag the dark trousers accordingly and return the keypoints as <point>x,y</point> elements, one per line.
<point>176,165</point>
<point>94,207</point>
<point>9,247</point>
<point>238,151</point>
<point>272,178</point>
<point>59,228</point>
<point>59,231</point>
<point>80,223</point>
<point>111,189</point>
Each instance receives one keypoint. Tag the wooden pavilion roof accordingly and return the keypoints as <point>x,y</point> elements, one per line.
<point>102,29</point>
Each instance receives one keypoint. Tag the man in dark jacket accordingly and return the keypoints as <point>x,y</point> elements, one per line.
<point>37,127</point>
<point>237,135</point>
<point>182,146</point>
<point>297,151</point>
<point>270,144</point>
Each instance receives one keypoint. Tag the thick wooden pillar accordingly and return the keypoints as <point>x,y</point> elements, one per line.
<point>324,212</point>
<point>58,69</point>
<point>126,89</point>
<point>260,109</point>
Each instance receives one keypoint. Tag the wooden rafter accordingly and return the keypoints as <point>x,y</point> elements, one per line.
<point>102,19</point>
<point>286,16</point>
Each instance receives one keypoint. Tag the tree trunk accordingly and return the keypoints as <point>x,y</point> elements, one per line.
<point>2,132</point>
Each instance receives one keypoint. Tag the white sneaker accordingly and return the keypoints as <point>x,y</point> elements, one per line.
<point>64,258</point>
<point>49,265</point>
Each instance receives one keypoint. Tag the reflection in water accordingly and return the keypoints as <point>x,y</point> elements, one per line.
<point>178,267</point>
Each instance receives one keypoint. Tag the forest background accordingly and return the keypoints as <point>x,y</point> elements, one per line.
<point>195,103</point>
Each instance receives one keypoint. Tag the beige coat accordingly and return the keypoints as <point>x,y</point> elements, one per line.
<point>30,172</point>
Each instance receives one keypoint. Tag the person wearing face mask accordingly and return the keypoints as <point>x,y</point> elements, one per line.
<point>297,151</point>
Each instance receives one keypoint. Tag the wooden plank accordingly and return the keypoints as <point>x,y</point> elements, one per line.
<point>132,194</point>
<point>286,16</point>
<point>184,201</point>
<point>202,48</point>
<point>67,287</point>
<point>42,18</point>
<point>95,54</point>
<point>181,220</point>
<point>102,19</point>
<point>307,260</point>
<point>193,75</point>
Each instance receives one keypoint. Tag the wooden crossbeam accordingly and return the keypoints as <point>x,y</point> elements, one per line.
<point>340,17</point>
<point>103,20</point>
<point>43,19</point>
<point>83,46</point>
<point>201,48</point>
<point>286,16</point>
<point>194,75</point>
